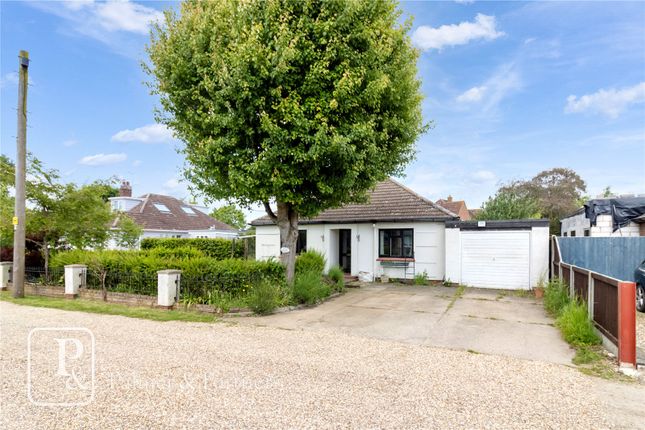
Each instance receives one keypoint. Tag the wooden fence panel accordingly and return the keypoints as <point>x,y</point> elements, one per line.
<point>581,283</point>
<point>605,305</point>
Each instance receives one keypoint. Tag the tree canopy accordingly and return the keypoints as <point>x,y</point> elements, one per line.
<point>305,103</point>
<point>551,194</point>
<point>57,214</point>
<point>231,215</point>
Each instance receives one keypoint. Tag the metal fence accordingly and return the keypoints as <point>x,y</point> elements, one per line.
<point>197,287</point>
<point>617,257</point>
<point>42,276</point>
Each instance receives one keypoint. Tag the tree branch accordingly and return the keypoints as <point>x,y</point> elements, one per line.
<point>269,212</point>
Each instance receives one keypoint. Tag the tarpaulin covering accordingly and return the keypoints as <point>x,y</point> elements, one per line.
<point>622,210</point>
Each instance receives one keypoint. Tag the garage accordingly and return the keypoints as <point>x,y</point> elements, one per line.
<point>510,255</point>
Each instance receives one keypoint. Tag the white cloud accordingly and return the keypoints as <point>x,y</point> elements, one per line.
<point>151,133</point>
<point>103,159</point>
<point>136,163</point>
<point>482,176</point>
<point>474,94</point>
<point>503,82</point>
<point>115,15</point>
<point>609,102</point>
<point>113,23</point>
<point>484,27</point>
<point>10,78</point>
<point>70,142</point>
<point>171,183</point>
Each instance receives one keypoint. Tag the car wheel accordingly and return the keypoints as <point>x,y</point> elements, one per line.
<point>640,298</point>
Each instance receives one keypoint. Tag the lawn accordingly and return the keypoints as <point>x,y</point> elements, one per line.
<point>108,308</point>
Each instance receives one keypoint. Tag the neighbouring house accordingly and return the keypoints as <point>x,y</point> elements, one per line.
<point>457,207</point>
<point>474,213</point>
<point>398,233</point>
<point>167,217</point>
<point>605,217</point>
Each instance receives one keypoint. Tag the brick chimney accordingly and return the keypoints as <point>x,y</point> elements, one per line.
<point>125,190</point>
<point>449,198</point>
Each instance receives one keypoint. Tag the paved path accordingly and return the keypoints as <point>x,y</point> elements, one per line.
<point>481,320</point>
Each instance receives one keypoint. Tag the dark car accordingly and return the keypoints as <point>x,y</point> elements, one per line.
<point>639,277</point>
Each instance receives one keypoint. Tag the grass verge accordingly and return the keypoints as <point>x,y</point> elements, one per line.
<point>96,307</point>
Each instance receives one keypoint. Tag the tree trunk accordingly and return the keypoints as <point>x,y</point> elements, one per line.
<point>45,250</point>
<point>287,220</point>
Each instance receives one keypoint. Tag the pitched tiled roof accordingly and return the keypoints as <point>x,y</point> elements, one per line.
<point>150,218</point>
<point>389,201</point>
<point>453,206</point>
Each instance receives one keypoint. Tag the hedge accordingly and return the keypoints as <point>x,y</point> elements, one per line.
<point>220,249</point>
<point>136,271</point>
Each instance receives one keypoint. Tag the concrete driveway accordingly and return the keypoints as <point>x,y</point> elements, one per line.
<point>485,321</point>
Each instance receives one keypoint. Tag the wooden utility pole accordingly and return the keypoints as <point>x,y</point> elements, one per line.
<point>21,161</point>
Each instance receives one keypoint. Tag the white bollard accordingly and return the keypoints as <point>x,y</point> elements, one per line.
<point>168,288</point>
<point>75,277</point>
<point>5,274</point>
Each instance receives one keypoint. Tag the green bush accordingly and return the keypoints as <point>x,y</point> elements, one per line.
<point>337,276</point>
<point>575,325</point>
<point>180,252</point>
<point>264,298</point>
<point>220,249</point>
<point>308,288</point>
<point>136,271</point>
<point>310,261</point>
<point>556,296</point>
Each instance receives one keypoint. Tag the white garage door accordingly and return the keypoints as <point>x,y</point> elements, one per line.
<point>495,259</point>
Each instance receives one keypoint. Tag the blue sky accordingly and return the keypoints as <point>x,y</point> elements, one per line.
<point>512,88</point>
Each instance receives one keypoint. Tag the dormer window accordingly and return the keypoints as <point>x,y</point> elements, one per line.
<point>161,207</point>
<point>188,210</point>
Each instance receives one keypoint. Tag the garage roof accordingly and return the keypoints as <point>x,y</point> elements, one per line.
<point>389,201</point>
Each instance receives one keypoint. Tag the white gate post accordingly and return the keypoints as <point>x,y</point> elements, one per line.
<point>75,278</point>
<point>168,288</point>
<point>5,274</point>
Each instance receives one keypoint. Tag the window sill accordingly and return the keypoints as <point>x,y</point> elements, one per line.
<point>404,259</point>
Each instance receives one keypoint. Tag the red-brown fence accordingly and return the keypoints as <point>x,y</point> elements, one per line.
<point>610,302</point>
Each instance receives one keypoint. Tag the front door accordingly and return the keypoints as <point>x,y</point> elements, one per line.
<point>345,251</point>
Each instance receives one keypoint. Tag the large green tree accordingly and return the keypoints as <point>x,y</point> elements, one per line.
<point>231,215</point>
<point>509,203</point>
<point>553,194</point>
<point>304,103</point>
<point>57,214</point>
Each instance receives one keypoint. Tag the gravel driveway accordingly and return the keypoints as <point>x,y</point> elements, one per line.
<point>189,375</point>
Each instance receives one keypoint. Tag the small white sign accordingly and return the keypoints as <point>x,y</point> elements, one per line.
<point>284,250</point>
<point>481,223</point>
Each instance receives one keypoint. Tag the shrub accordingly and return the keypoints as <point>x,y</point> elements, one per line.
<point>218,248</point>
<point>421,278</point>
<point>575,325</point>
<point>310,261</point>
<point>337,276</point>
<point>136,271</point>
<point>308,288</point>
<point>180,252</point>
<point>556,296</point>
<point>264,298</point>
